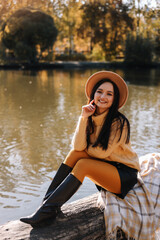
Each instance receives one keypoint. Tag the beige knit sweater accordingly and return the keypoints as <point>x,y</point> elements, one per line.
<point>117,151</point>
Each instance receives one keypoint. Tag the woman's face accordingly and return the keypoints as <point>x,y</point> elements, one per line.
<point>103,97</point>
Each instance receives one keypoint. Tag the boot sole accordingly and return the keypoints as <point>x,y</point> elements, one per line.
<point>44,223</point>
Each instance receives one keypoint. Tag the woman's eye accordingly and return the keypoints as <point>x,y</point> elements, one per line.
<point>98,91</point>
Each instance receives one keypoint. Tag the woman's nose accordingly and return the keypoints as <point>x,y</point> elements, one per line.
<point>103,96</point>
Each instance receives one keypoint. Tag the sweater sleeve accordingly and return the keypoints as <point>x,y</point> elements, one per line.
<point>113,143</point>
<point>79,141</point>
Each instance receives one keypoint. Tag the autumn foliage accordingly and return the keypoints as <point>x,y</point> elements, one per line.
<point>35,30</point>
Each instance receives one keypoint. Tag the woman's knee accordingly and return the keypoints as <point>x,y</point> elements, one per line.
<point>74,156</point>
<point>80,169</point>
<point>81,163</point>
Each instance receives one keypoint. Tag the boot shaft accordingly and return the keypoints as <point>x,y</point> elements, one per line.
<point>64,191</point>
<point>59,177</point>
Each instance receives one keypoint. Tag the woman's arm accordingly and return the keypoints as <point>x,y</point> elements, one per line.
<point>79,140</point>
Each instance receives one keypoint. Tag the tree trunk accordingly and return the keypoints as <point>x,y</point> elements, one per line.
<point>79,220</point>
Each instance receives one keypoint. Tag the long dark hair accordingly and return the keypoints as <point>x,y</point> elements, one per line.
<point>113,115</point>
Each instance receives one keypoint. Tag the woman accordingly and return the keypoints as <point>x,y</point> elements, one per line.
<point>101,149</point>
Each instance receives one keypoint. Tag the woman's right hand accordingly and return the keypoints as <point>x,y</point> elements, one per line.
<point>88,110</point>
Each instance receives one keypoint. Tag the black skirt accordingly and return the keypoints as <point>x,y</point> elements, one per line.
<point>127,175</point>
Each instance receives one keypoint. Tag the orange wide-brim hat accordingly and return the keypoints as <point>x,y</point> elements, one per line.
<point>114,77</point>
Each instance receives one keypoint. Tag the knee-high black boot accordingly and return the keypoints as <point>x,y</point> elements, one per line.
<point>50,208</point>
<point>61,174</point>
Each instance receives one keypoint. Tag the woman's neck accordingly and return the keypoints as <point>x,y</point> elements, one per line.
<point>101,111</point>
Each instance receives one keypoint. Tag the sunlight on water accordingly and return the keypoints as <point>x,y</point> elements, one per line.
<point>39,112</point>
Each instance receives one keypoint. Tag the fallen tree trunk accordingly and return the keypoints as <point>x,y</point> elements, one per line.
<point>79,220</point>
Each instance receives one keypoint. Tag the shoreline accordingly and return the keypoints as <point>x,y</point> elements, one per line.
<point>72,65</point>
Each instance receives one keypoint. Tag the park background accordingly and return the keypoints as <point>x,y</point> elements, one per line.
<point>48,49</point>
<point>91,30</point>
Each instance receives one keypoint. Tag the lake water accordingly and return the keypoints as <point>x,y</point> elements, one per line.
<point>38,114</point>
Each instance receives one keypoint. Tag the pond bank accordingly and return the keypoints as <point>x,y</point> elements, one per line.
<point>71,65</point>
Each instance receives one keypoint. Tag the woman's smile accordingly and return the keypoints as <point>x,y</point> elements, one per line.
<point>101,101</point>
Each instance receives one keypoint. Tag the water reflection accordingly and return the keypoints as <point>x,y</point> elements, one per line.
<point>39,111</point>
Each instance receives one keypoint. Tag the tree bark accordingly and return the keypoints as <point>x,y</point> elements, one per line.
<point>79,220</point>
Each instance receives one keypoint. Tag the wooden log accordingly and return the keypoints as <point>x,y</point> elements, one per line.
<point>79,220</point>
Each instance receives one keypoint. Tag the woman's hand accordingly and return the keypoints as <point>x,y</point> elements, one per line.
<point>88,110</point>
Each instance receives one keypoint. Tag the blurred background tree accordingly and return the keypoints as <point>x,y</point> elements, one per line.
<point>28,33</point>
<point>138,50</point>
<point>68,23</point>
<point>143,44</point>
<point>120,24</point>
<point>93,27</point>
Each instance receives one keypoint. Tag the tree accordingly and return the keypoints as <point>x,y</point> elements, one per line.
<point>139,50</point>
<point>106,23</point>
<point>93,22</point>
<point>120,24</point>
<point>67,19</point>
<point>146,31</point>
<point>29,32</point>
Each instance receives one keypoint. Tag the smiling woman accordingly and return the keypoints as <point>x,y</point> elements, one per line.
<point>101,149</point>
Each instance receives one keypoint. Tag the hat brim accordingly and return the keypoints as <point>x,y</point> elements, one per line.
<point>96,77</point>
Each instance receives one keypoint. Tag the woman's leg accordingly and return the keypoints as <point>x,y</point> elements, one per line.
<point>73,157</point>
<point>55,199</point>
<point>50,208</point>
<point>101,173</point>
<point>64,169</point>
